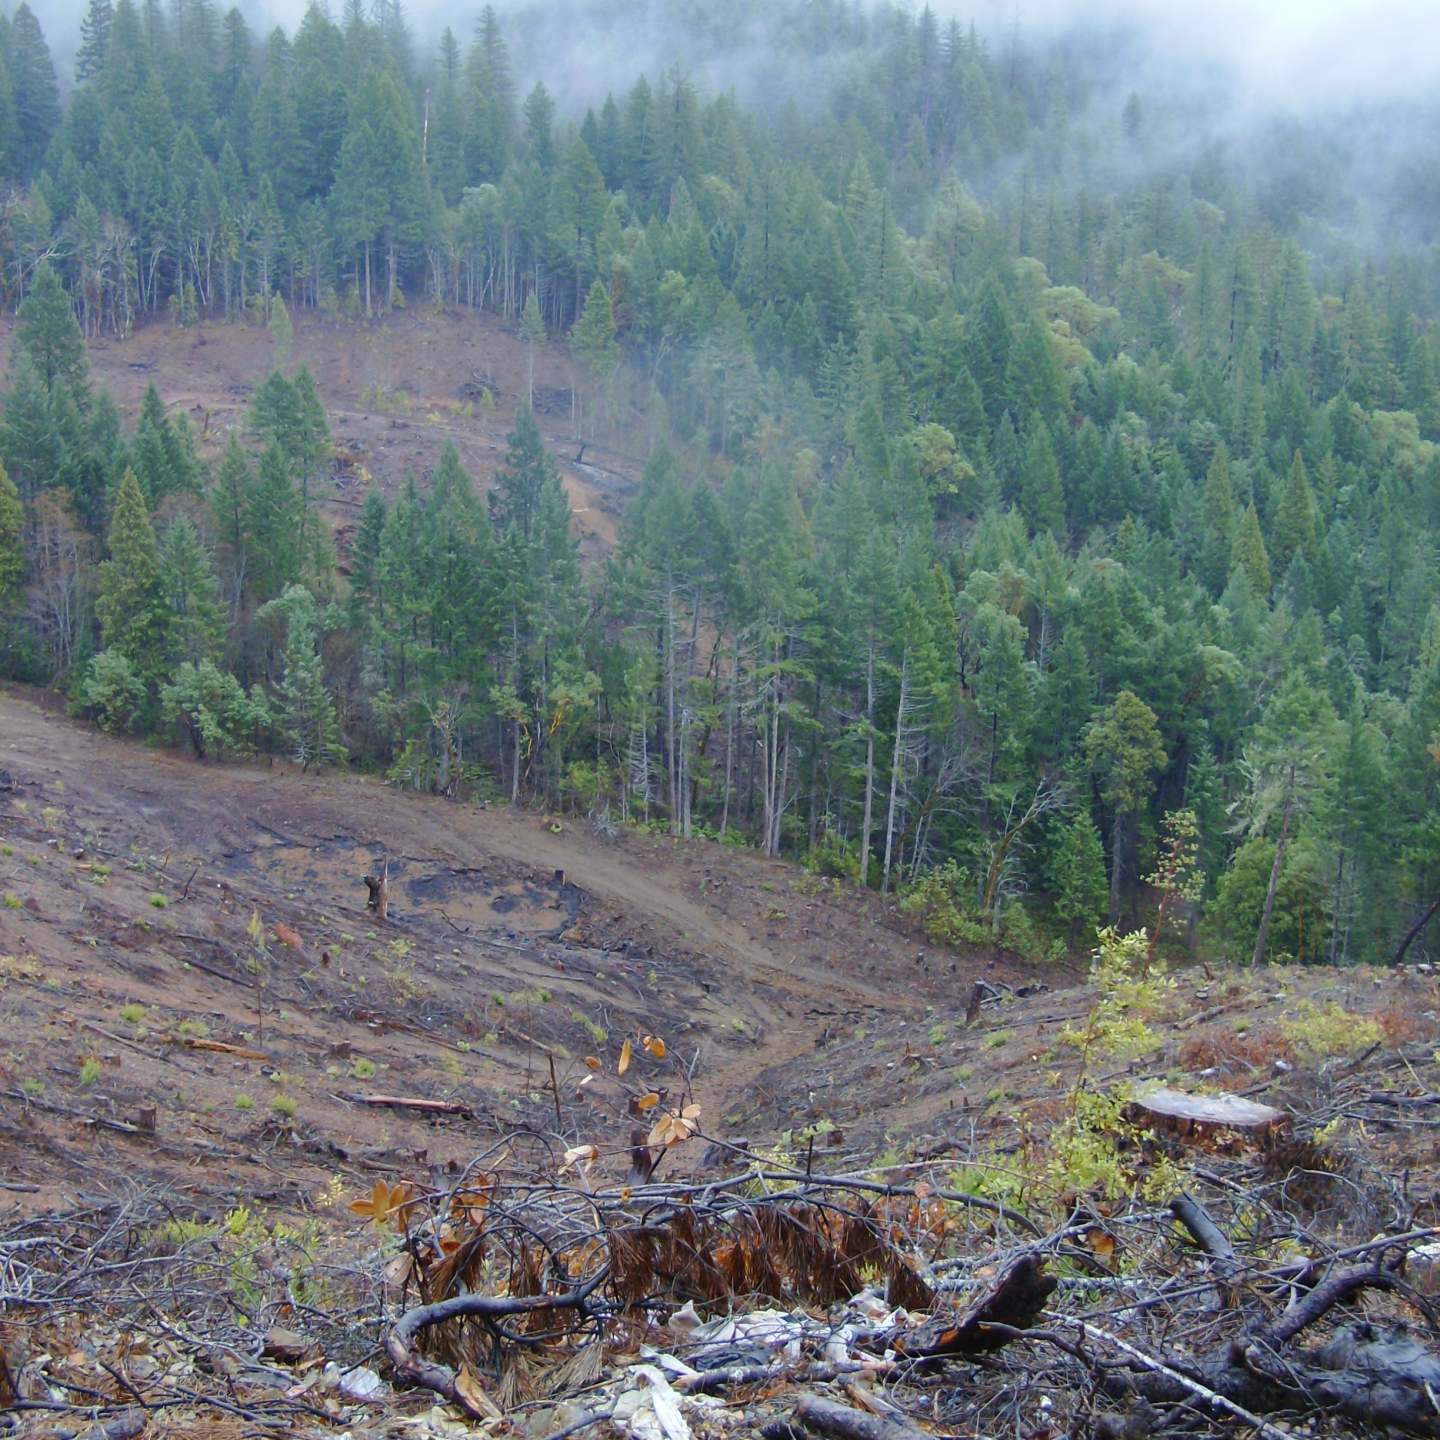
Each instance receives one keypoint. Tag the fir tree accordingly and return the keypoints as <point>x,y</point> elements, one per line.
<point>94,40</point>
<point>1248,553</point>
<point>34,89</point>
<point>306,711</point>
<point>1077,873</point>
<point>48,338</point>
<point>1295,525</point>
<point>190,591</point>
<point>532,332</point>
<point>130,602</point>
<point>12,547</point>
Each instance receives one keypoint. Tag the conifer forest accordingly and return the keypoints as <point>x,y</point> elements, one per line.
<point>1041,478</point>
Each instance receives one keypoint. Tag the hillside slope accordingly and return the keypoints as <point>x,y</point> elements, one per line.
<point>132,878</point>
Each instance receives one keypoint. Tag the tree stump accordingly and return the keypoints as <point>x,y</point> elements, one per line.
<point>379,888</point>
<point>1186,1116</point>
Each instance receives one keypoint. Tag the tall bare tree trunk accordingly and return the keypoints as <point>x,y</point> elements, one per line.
<point>895,757</point>
<point>1415,929</point>
<point>1274,885</point>
<point>868,819</point>
<point>1117,847</point>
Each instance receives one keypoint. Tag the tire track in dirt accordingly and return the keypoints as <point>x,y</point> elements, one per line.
<point>634,885</point>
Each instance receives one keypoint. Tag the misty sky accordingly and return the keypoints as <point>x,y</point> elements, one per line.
<point>1279,53</point>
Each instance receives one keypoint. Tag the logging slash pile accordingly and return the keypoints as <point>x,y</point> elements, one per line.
<point>530,1295</point>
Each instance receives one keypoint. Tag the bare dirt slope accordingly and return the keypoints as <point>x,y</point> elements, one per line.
<point>195,997</point>
<point>154,909</point>
<point>396,390</point>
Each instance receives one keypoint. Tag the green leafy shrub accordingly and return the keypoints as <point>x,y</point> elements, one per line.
<point>112,691</point>
<point>1318,1032</point>
<point>939,899</point>
<point>214,711</point>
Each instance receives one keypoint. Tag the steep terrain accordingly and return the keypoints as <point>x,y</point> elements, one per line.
<point>196,997</point>
<point>395,391</point>
<point>215,1056</point>
<point>154,909</point>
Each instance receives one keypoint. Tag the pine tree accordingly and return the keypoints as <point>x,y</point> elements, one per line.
<point>48,337</point>
<point>306,708</point>
<point>33,86</point>
<point>282,330</point>
<point>593,338</point>
<point>190,590</point>
<point>532,332</point>
<point>94,40</point>
<point>1248,553</point>
<point>1077,873</point>
<point>539,111</point>
<point>130,602</point>
<point>1124,748</point>
<point>12,539</point>
<point>1294,531</point>
<point>1041,499</point>
<point>275,528</point>
<point>1217,515</point>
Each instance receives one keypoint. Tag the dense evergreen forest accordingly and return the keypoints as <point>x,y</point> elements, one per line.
<point>1029,467</point>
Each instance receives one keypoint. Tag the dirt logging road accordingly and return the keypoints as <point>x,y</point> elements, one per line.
<point>197,995</point>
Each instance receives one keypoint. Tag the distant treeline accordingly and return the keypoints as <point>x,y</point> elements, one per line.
<point>1041,476</point>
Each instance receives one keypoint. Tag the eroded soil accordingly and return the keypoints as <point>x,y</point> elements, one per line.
<point>154,909</point>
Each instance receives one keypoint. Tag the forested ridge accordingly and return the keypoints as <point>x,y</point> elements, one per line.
<point>1027,463</point>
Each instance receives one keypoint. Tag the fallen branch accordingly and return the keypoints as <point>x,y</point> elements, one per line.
<point>1013,1302</point>
<point>1213,1241</point>
<point>840,1422</point>
<point>1326,1296</point>
<point>409,1102</point>
<point>709,1382</point>
<point>400,1343</point>
<point>1211,1397</point>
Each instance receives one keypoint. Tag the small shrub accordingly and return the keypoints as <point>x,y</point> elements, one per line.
<point>90,1070</point>
<point>597,1032</point>
<point>193,1030</point>
<point>158,900</point>
<point>1318,1032</point>
<point>362,1069</point>
<point>939,899</point>
<point>132,1014</point>
<point>285,1107</point>
<point>12,902</point>
<point>32,1087</point>
<point>244,1101</point>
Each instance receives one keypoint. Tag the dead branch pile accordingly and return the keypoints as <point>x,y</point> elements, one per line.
<point>529,1295</point>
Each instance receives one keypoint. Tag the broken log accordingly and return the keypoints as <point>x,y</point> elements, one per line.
<point>379,888</point>
<point>221,1047</point>
<point>840,1422</point>
<point>408,1102</point>
<point>1374,1376</point>
<point>1013,1302</point>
